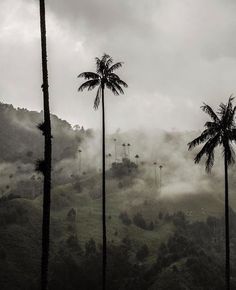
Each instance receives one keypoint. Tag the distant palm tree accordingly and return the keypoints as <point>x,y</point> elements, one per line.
<point>124,151</point>
<point>80,151</point>
<point>155,173</point>
<point>108,156</point>
<point>109,159</point>
<point>137,158</point>
<point>128,150</point>
<point>221,130</point>
<point>104,77</point>
<point>160,178</point>
<point>115,149</point>
<point>45,165</point>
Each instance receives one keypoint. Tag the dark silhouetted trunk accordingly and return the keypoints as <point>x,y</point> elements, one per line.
<point>47,154</point>
<point>104,231</point>
<point>227,242</point>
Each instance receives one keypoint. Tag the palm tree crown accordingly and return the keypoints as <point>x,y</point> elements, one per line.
<point>221,130</point>
<point>103,77</point>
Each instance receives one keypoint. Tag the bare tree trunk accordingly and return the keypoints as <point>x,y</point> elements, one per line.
<point>227,241</point>
<point>47,155</point>
<point>104,252</point>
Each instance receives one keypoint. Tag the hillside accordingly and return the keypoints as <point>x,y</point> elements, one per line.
<point>20,140</point>
<point>155,234</point>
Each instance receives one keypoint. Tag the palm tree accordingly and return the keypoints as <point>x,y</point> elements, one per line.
<point>136,157</point>
<point>161,166</point>
<point>115,149</point>
<point>109,160</point>
<point>221,130</point>
<point>124,149</point>
<point>45,165</point>
<point>128,150</point>
<point>155,173</point>
<point>80,151</point>
<point>104,77</point>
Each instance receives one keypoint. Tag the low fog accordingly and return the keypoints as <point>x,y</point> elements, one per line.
<point>77,159</point>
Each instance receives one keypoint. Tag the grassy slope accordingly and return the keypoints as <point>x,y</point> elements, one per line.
<point>20,234</point>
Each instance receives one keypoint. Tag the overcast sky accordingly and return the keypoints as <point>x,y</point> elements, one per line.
<point>177,54</point>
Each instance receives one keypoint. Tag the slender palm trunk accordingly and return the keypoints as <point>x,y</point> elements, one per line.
<point>80,163</point>
<point>227,242</point>
<point>115,152</point>
<point>104,252</point>
<point>160,180</point>
<point>155,176</point>
<point>47,155</point>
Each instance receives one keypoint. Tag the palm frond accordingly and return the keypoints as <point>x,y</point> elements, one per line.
<point>232,117</point>
<point>105,57</point>
<point>118,88</point>
<point>109,62</point>
<point>228,111</point>
<point>89,85</point>
<point>206,134</point>
<point>222,110</point>
<point>111,87</point>
<point>101,64</point>
<point>120,82</point>
<point>210,160</point>
<point>229,152</point>
<point>230,102</point>
<point>97,99</point>
<point>208,150</point>
<point>115,66</point>
<point>113,76</point>
<point>211,125</point>
<point>207,109</point>
<point>89,75</point>
<point>232,135</point>
<point>97,60</point>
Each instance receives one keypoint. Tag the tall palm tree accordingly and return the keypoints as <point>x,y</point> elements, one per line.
<point>155,173</point>
<point>221,130</point>
<point>128,150</point>
<point>160,177</point>
<point>115,149</point>
<point>80,151</point>
<point>104,77</point>
<point>124,151</point>
<point>45,165</point>
<point>109,160</point>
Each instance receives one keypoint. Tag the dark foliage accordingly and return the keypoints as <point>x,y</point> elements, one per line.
<point>142,253</point>
<point>124,217</point>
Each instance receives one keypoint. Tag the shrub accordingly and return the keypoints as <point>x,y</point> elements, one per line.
<point>142,253</point>
<point>90,247</point>
<point>139,221</point>
<point>125,218</point>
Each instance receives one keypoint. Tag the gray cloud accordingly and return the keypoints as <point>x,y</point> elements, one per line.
<point>177,54</point>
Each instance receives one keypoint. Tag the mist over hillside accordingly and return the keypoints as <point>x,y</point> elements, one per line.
<point>153,213</point>
<point>21,144</point>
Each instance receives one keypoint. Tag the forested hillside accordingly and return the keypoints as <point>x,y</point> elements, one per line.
<point>165,238</point>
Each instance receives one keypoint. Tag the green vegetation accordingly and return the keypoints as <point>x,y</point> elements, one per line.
<point>154,241</point>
